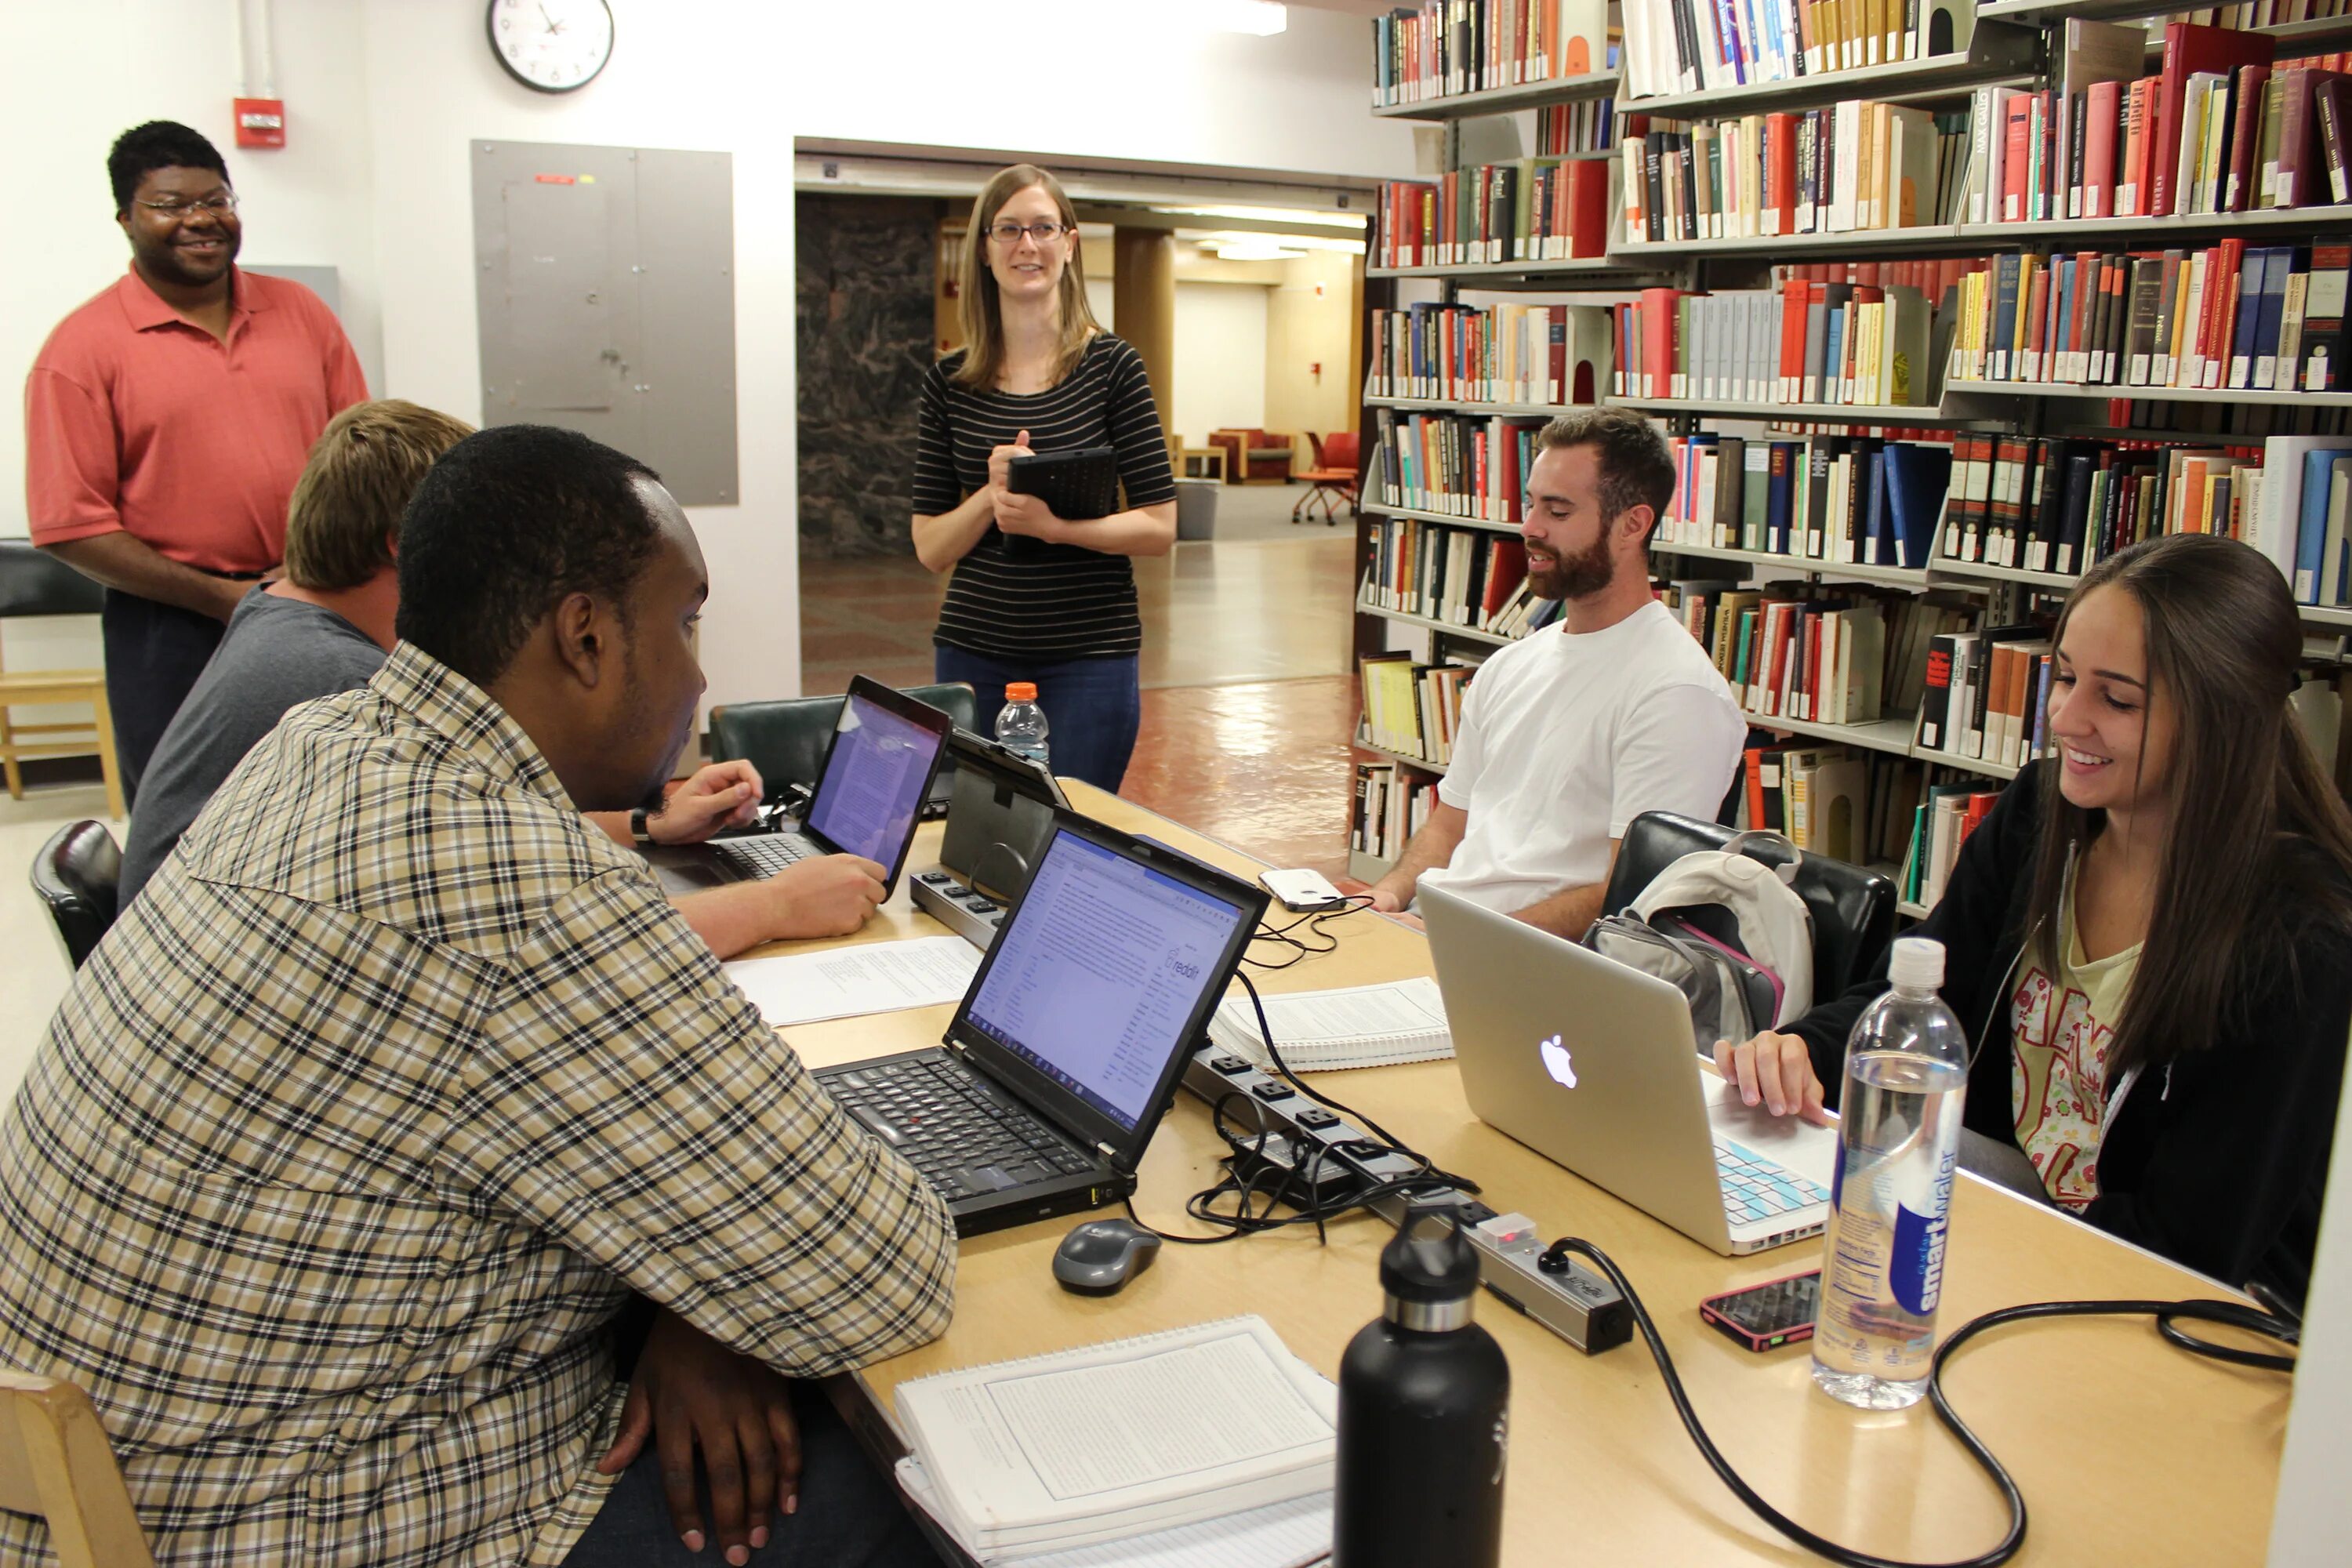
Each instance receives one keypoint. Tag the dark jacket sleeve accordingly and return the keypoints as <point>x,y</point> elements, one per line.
<point>1975,920</point>
<point>2220,1159</point>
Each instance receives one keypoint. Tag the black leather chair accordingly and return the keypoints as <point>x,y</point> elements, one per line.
<point>1853,909</point>
<point>786,740</point>
<point>75,875</point>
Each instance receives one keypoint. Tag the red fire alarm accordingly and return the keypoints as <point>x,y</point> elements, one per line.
<point>260,122</point>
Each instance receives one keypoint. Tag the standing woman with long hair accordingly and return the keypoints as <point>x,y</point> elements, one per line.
<point>1038,597</point>
<point>2149,937</point>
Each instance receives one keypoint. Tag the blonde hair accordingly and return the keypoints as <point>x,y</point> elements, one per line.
<point>347,505</point>
<point>983,317</point>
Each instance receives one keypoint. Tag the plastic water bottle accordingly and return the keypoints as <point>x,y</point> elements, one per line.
<point>1906,1069</point>
<point>1425,1397</point>
<point>1021,723</point>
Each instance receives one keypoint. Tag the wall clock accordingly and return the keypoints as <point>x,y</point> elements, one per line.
<point>551,45</point>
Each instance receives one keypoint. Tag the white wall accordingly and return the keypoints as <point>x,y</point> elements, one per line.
<point>1220,359</point>
<point>2314,1515</point>
<point>385,96</point>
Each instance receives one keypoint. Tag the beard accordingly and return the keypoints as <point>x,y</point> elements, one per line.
<point>1574,576</point>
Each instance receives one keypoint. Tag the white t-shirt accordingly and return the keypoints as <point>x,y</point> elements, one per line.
<point>1567,737</point>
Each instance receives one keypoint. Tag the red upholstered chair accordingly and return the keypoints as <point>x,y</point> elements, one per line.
<point>1254,456</point>
<point>1333,477</point>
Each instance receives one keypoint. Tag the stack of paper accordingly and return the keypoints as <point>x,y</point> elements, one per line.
<point>1356,1027</point>
<point>850,981</point>
<point>1109,1444</point>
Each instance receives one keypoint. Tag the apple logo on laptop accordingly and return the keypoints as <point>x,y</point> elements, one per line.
<point>1555,1062</point>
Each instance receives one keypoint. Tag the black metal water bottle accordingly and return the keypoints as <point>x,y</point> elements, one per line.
<point>1424,1394</point>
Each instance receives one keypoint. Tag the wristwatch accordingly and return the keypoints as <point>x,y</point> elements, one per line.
<point>640,834</point>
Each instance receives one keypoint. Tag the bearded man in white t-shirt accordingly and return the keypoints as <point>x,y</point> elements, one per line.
<point>1572,731</point>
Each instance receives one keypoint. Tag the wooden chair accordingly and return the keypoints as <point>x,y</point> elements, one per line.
<point>55,1462</point>
<point>32,583</point>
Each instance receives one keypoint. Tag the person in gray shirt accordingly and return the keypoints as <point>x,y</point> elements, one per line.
<point>326,627</point>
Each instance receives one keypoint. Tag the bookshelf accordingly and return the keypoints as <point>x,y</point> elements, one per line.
<point>2015,43</point>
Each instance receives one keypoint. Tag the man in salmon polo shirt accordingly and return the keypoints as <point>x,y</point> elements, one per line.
<point>166,421</point>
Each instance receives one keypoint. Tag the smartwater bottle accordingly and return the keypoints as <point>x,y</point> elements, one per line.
<point>1021,723</point>
<point>1906,1069</point>
<point>1423,1409</point>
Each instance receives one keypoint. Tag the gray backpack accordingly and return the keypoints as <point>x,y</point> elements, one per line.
<point>1726,930</point>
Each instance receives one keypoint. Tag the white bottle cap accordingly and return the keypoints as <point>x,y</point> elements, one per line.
<point>1917,964</point>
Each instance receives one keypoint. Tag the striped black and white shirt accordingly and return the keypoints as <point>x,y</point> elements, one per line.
<point>1040,600</point>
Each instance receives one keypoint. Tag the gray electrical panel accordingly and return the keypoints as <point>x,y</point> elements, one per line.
<point>605,296</point>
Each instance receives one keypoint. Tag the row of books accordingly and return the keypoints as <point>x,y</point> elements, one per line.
<point>1987,695</point>
<point>1460,465</point>
<point>1499,353</point>
<point>1473,578</point>
<point>1391,806</point>
<point>1443,47</point>
<point>1831,498</point>
<point>1940,822</point>
<point>1535,209</point>
<point>1411,707</point>
<point>1801,343</point>
<point>2055,504</point>
<point>2223,318</point>
<point>1848,167</point>
<point>1695,46</point>
<point>1587,125</point>
<point>1843,655</point>
<point>1851,804</point>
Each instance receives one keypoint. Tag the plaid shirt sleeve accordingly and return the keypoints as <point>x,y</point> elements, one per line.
<point>628,1099</point>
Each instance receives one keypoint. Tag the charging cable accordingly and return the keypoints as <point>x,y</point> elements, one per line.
<point>2271,1321</point>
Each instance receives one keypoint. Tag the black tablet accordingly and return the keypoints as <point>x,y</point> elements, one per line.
<point>1078,486</point>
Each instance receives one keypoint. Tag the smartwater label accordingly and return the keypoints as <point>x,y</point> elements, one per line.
<point>1915,1271</point>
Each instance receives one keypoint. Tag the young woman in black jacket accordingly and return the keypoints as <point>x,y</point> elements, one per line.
<point>2149,938</point>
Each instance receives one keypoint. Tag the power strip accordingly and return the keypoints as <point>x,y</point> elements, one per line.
<point>1571,1300</point>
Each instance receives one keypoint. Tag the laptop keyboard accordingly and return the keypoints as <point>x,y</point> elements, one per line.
<point>963,1141</point>
<point>1755,1188</point>
<point>765,856</point>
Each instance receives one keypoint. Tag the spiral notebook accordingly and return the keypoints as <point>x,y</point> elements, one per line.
<point>1354,1027</point>
<point>1110,1442</point>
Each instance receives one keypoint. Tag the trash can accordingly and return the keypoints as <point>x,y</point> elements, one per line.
<point>1196,508</point>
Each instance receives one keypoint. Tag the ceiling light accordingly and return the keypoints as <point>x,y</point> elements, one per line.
<point>1252,250</point>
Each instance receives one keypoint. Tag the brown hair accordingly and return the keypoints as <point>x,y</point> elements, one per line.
<point>1636,469</point>
<point>345,514</point>
<point>2258,843</point>
<point>976,304</point>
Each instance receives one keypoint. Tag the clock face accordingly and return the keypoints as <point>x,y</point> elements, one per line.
<point>551,45</point>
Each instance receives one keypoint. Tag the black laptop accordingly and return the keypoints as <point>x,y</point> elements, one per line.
<point>1001,811</point>
<point>1066,1048</point>
<point>869,795</point>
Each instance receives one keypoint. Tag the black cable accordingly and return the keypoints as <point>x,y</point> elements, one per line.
<point>1350,904</point>
<point>2281,1327</point>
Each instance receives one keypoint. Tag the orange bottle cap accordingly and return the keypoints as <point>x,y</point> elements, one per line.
<point>1020,691</point>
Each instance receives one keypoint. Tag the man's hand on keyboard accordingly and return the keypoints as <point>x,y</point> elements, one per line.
<point>826,895</point>
<point>720,796</point>
<point>1775,1070</point>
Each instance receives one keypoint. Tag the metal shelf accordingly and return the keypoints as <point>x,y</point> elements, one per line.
<point>1470,406</point>
<point>1598,268</point>
<point>1923,238</point>
<point>1383,509</point>
<point>1503,100</point>
<point>1435,625</point>
<point>1985,572</point>
<point>2315,36</point>
<point>1913,578</point>
<point>1366,867</point>
<point>1966,764</point>
<point>2140,233</point>
<point>1906,907</point>
<point>1883,735</point>
<point>2323,615</point>
<point>1996,53</point>
<point>1802,413</point>
<point>1407,758</point>
<point>1954,388</point>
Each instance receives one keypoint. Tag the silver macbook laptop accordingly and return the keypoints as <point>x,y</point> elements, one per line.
<point>1588,1063</point>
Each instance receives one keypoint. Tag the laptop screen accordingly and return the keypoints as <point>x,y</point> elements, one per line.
<point>874,777</point>
<point>1102,966</point>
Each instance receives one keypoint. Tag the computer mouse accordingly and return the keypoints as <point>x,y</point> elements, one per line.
<point>1101,1256</point>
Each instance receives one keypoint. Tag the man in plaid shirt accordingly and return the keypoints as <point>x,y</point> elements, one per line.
<point>352,1140</point>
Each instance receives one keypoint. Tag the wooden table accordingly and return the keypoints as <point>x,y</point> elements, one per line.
<point>1201,463</point>
<point>2128,1450</point>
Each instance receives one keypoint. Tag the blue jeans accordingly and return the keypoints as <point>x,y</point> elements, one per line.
<point>1093,707</point>
<point>849,1517</point>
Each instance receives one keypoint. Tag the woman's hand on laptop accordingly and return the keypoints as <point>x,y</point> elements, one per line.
<point>829,895</point>
<point>1775,1071</point>
<point>719,795</point>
